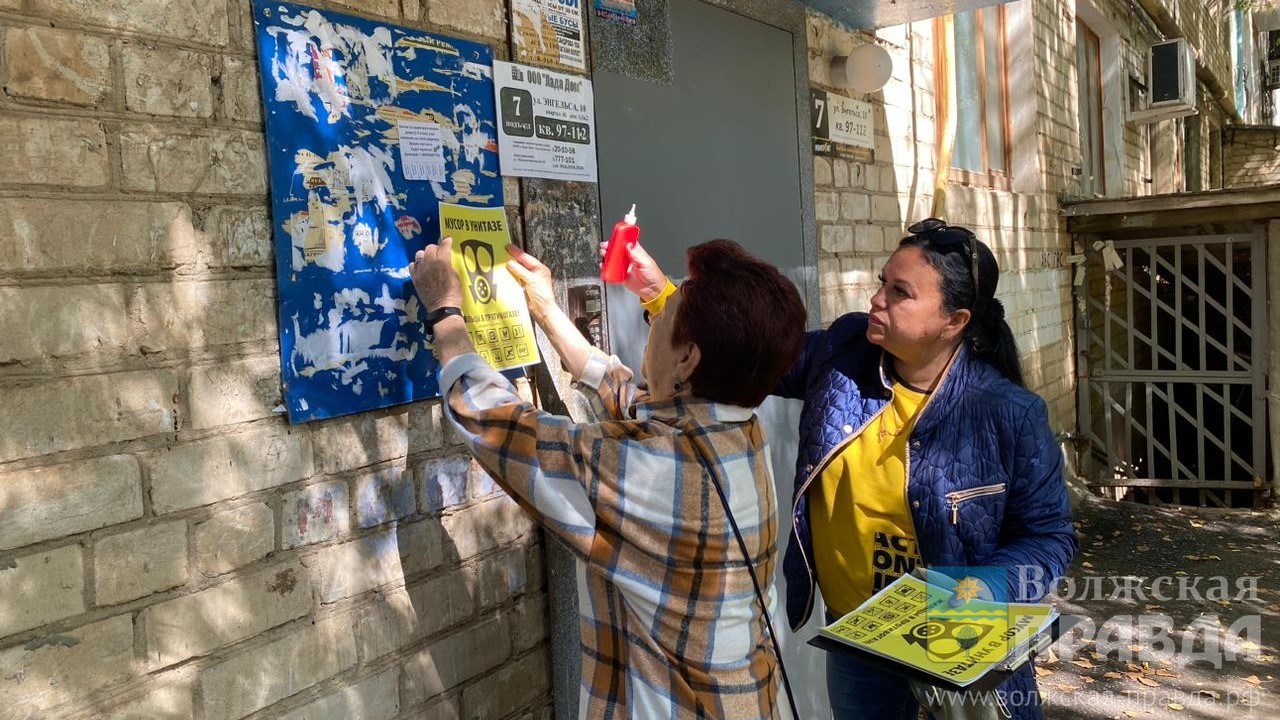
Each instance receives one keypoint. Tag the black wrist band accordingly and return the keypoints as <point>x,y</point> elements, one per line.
<point>437,315</point>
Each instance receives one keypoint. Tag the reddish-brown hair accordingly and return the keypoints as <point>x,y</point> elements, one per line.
<point>746,318</point>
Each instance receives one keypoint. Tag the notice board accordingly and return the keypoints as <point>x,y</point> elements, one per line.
<point>370,127</point>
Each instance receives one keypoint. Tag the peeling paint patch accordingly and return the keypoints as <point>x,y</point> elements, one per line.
<point>315,514</point>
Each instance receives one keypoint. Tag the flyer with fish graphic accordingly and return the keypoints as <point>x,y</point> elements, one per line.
<point>493,303</point>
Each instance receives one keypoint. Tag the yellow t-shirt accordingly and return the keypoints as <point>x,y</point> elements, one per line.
<point>863,536</point>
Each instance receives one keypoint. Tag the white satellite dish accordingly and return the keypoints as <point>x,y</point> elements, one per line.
<point>864,70</point>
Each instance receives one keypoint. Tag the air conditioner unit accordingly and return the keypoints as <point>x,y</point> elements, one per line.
<point>1171,83</point>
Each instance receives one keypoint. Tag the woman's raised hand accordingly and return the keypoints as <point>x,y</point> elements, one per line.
<point>535,278</point>
<point>644,277</point>
<point>434,277</point>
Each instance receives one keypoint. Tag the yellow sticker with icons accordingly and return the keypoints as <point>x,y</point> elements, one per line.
<point>493,303</point>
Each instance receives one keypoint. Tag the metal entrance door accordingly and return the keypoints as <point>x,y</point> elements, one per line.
<point>1172,361</point>
<point>719,148</point>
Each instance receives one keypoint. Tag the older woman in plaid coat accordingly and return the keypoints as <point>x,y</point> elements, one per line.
<point>669,621</point>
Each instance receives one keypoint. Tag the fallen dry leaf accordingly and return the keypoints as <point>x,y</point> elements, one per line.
<point>1176,706</point>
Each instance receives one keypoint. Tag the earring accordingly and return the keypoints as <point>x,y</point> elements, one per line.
<point>678,386</point>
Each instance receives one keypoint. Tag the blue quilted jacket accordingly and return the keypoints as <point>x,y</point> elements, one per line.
<point>984,472</point>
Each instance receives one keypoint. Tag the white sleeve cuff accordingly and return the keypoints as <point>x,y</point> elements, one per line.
<point>459,366</point>
<point>594,371</point>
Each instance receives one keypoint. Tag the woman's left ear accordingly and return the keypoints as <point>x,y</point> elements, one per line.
<point>687,359</point>
<point>956,324</point>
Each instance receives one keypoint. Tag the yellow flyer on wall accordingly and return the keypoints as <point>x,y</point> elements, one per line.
<point>492,301</point>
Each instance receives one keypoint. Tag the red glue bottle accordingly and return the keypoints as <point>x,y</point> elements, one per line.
<point>618,255</point>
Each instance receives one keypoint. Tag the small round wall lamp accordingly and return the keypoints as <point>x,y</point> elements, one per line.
<point>865,69</point>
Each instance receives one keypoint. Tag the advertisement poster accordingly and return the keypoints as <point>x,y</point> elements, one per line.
<point>546,123</point>
<point>549,32</point>
<point>623,11</point>
<point>369,128</point>
<point>493,302</point>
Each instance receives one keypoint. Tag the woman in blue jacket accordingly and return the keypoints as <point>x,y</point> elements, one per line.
<point>918,444</point>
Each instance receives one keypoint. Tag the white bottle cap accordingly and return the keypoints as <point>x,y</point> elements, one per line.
<point>631,216</point>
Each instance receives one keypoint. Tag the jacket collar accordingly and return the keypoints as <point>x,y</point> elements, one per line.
<point>674,411</point>
<point>956,376</point>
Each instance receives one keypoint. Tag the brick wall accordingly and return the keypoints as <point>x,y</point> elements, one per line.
<point>169,546</point>
<point>1252,156</point>
<point>1205,24</point>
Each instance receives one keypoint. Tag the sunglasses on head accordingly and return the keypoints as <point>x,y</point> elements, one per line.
<point>940,234</point>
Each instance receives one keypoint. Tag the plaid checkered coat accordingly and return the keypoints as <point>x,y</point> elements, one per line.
<point>670,626</point>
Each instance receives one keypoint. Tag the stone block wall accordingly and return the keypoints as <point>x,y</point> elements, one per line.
<point>1206,25</point>
<point>1252,156</point>
<point>170,547</point>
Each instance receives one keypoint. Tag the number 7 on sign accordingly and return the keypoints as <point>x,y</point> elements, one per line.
<point>820,117</point>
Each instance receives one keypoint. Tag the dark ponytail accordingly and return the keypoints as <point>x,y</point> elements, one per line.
<point>990,336</point>
<point>946,249</point>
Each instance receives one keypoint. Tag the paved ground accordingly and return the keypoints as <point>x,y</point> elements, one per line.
<point>1103,670</point>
